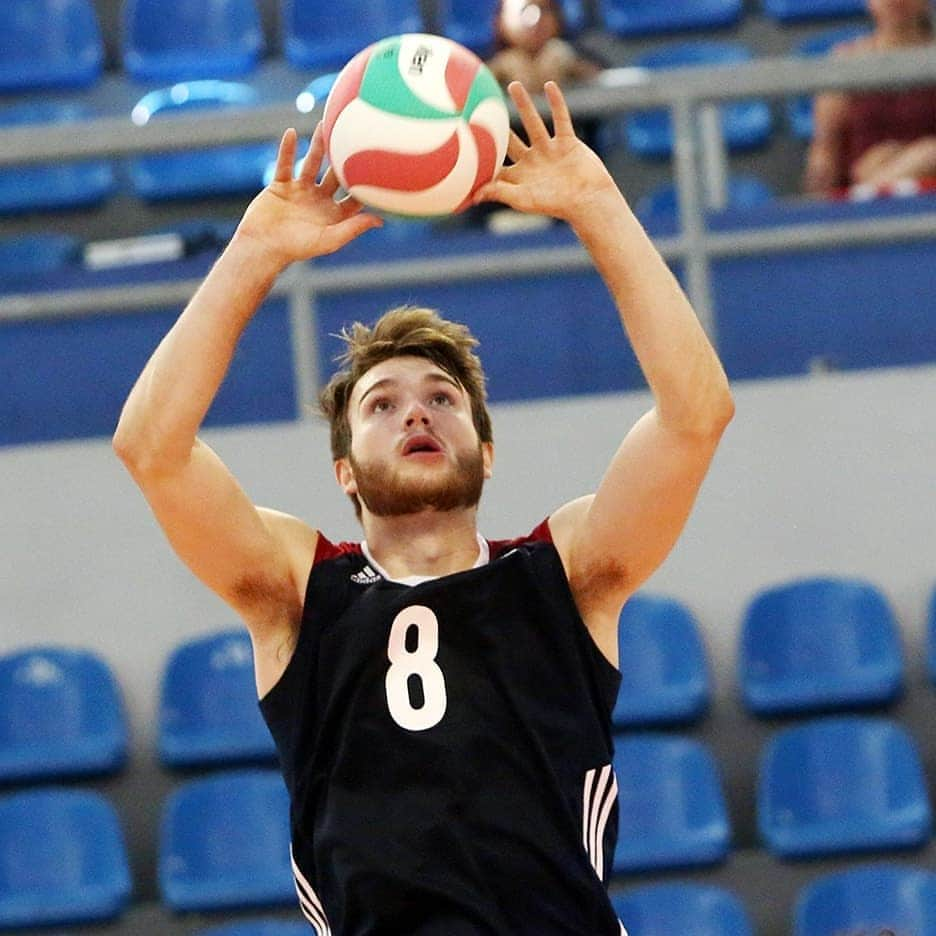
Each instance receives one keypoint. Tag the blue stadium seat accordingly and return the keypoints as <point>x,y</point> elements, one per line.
<point>203,173</point>
<point>819,643</point>
<point>664,669</point>
<point>30,254</point>
<point>841,784</point>
<point>630,18</point>
<point>799,109</point>
<point>321,36</point>
<point>61,714</point>
<point>869,898</point>
<point>470,22</point>
<point>257,928</point>
<point>672,806</point>
<point>208,712</point>
<point>62,859</point>
<point>798,10</point>
<point>224,843</point>
<point>190,39</point>
<point>681,907</point>
<point>745,124</point>
<point>52,186</point>
<point>49,44</point>
<point>743,191</point>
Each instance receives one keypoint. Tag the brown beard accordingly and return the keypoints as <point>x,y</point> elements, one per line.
<point>385,494</point>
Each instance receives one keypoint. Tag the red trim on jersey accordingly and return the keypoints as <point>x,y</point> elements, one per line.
<point>539,534</point>
<point>326,549</point>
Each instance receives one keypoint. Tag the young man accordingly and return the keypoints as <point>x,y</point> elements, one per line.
<point>441,703</point>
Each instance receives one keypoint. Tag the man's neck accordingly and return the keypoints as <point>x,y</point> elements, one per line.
<point>424,544</point>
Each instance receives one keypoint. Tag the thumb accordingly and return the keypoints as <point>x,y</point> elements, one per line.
<point>347,230</point>
<point>491,191</point>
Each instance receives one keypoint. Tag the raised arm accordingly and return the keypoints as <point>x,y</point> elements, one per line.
<point>255,559</point>
<point>613,540</point>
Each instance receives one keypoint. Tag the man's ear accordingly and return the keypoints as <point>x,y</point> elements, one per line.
<point>487,457</point>
<point>344,474</point>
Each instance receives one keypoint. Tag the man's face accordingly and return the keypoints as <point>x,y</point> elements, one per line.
<point>414,445</point>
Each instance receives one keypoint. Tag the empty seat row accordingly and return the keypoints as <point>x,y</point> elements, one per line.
<point>832,786</point>
<point>827,786</point>
<point>870,898</point>
<point>242,168</point>
<point>62,712</point>
<point>805,646</point>
<point>58,43</point>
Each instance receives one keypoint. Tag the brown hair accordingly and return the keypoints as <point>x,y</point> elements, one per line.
<point>406,330</point>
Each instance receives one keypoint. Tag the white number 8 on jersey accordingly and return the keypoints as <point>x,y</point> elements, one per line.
<point>418,662</point>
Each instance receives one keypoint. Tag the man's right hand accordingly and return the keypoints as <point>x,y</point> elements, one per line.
<point>299,218</point>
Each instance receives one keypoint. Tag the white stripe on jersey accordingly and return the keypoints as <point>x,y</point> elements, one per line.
<point>598,797</point>
<point>309,903</point>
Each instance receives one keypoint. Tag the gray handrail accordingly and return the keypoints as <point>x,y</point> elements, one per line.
<point>617,90</point>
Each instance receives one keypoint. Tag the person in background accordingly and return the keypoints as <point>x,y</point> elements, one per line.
<point>877,138</point>
<point>531,48</point>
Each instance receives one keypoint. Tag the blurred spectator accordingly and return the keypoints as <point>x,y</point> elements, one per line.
<point>877,138</point>
<point>531,48</point>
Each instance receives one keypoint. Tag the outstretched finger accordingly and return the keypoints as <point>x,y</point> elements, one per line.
<point>313,158</point>
<point>285,157</point>
<point>562,119</point>
<point>536,130</point>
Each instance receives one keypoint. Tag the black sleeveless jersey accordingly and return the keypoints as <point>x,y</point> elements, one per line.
<point>447,750</point>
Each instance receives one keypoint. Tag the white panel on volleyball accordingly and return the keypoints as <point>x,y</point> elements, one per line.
<point>427,82</point>
<point>412,136</point>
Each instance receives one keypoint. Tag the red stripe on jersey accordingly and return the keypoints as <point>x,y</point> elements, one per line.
<point>326,549</point>
<point>539,534</point>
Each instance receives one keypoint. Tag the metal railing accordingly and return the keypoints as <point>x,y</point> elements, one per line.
<point>692,96</point>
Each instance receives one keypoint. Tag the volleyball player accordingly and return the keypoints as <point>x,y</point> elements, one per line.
<point>440,702</point>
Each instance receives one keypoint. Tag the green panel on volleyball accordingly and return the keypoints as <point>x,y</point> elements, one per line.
<point>383,86</point>
<point>483,87</point>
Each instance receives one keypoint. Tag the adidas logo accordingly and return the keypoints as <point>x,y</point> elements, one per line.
<point>367,576</point>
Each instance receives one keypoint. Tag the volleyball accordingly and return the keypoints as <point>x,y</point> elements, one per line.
<point>414,125</point>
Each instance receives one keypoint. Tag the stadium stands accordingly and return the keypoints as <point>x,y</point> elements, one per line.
<point>842,784</point>
<point>321,36</point>
<point>672,807</point>
<point>56,185</point>
<point>868,898</point>
<point>633,18</point>
<point>62,859</point>
<point>208,713</point>
<point>664,666</point>
<point>61,715</point>
<point>682,907</point>
<point>819,643</point>
<point>224,843</point>
<point>49,44</point>
<point>190,39</point>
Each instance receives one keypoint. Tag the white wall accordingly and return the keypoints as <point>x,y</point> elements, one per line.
<point>832,473</point>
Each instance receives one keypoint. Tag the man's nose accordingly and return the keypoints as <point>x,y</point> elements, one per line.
<point>416,414</point>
